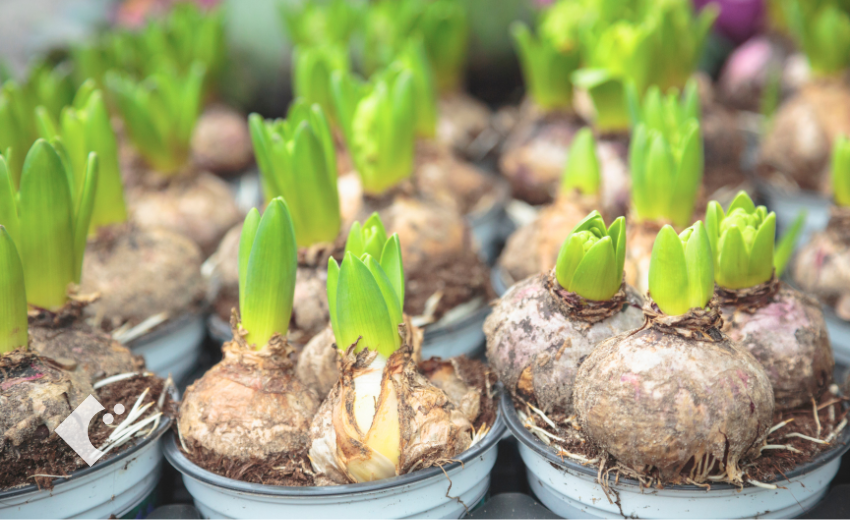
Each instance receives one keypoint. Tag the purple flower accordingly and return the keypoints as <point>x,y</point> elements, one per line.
<point>739,19</point>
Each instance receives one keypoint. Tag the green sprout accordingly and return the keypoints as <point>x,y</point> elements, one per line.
<point>13,297</point>
<point>45,86</point>
<point>547,70</point>
<point>160,114</point>
<point>387,26</point>
<point>378,122</point>
<point>311,74</point>
<point>365,295</point>
<point>841,171</point>
<point>618,56</point>
<point>47,222</point>
<point>297,161</point>
<point>414,60</point>
<point>666,159</point>
<point>680,35</point>
<point>822,29</point>
<point>591,260</point>
<point>444,27</point>
<point>317,23</point>
<point>742,240</point>
<point>681,272</point>
<point>267,262</point>
<point>84,127</point>
<point>582,171</point>
<point>669,115</point>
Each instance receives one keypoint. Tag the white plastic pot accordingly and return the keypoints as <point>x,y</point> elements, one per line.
<point>121,485</point>
<point>787,205</point>
<point>571,490</point>
<point>428,493</point>
<point>175,348</point>
<point>500,281</point>
<point>491,225</point>
<point>839,336</point>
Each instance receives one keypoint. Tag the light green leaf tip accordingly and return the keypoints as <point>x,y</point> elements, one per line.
<point>582,171</point>
<point>681,271</point>
<point>13,298</point>
<point>590,262</point>
<point>269,285</point>
<point>841,171</point>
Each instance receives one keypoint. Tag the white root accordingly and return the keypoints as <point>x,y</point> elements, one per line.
<point>838,429</point>
<point>543,415</point>
<point>762,484</point>
<point>780,447</point>
<point>817,419</point>
<point>806,437</point>
<point>780,425</point>
<point>120,377</point>
<point>123,335</point>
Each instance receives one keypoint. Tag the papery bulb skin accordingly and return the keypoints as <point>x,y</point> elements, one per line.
<point>414,424</point>
<point>249,407</point>
<point>785,331</point>
<point>202,209</point>
<point>660,398</point>
<point>533,248</point>
<point>462,118</point>
<point>221,142</point>
<point>536,342</point>
<point>822,267</point>
<point>141,273</point>
<point>442,177</point>
<point>796,150</point>
<point>535,152</point>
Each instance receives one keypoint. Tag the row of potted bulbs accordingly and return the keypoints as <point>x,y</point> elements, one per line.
<point>662,154</point>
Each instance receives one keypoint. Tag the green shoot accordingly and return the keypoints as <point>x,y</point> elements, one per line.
<point>13,297</point>
<point>365,295</point>
<point>787,244</point>
<point>311,75</point>
<point>160,114</point>
<point>668,115</point>
<point>297,160</point>
<point>445,31</point>
<point>841,171</point>
<point>591,260</point>
<point>378,122</point>
<point>413,59</point>
<point>85,127</point>
<point>742,242</point>
<point>666,177</point>
<point>681,272</point>
<point>546,69</point>
<point>268,260</point>
<point>822,29</point>
<point>312,22</point>
<point>582,172</point>
<point>679,37</point>
<point>50,225</point>
<point>387,26</point>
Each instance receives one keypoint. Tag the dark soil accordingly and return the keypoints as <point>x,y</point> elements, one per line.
<point>770,467</point>
<point>282,470</point>
<point>53,458</point>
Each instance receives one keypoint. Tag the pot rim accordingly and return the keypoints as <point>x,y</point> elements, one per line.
<point>165,329</point>
<point>511,418</point>
<point>772,189</point>
<point>153,437</point>
<point>188,468</point>
<point>216,327</point>
<point>499,280</point>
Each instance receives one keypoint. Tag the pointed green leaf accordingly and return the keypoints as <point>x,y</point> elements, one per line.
<point>760,268</point>
<point>713,217</point>
<point>841,171</point>
<point>387,290</point>
<point>246,242</point>
<point>354,244</point>
<point>83,213</point>
<point>668,276</point>
<point>743,201</point>
<point>270,276</point>
<point>375,235</point>
<point>582,171</point>
<point>688,178</point>
<point>569,258</point>
<point>734,260</point>
<point>594,277</point>
<point>661,175</point>
<point>46,125</point>
<point>700,267</point>
<point>13,298</point>
<point>8,203</point>
<point>392,265</point>
<point>617,232</point>
<point>361,310</point>
<point>47,231</point>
